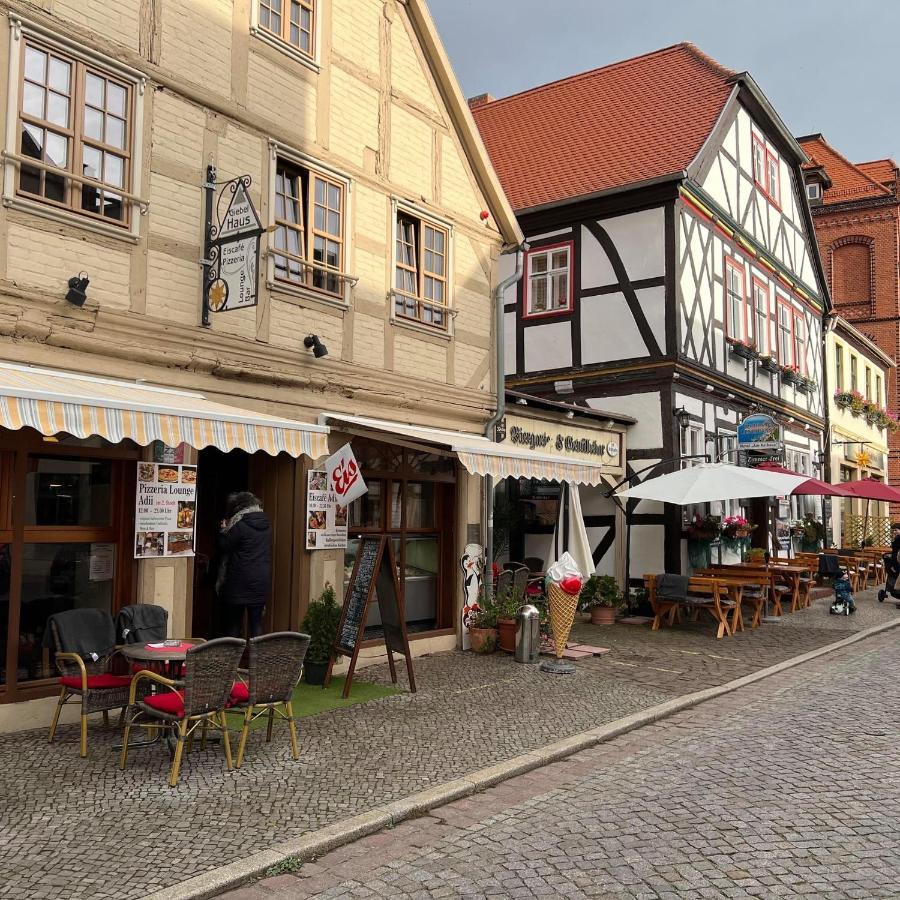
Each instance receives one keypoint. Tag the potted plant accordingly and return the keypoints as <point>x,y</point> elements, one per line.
<point>857,403</point>
<point>321,624</point>
<point>812,533</point>
<point>769,363</point>
<point>702,531</point>
<point>744,349</point>
<point>507,607</point>
<point>790,375</point>
<point>842,398</point>
<point>483,627</point>
<point>736,531</point>
<point>601,596</point>
<point>756,555</point>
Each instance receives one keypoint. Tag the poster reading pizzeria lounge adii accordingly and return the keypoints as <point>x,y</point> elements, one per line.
<point>165,510</point>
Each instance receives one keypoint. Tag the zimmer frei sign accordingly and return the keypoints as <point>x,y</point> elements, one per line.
<point>231,257</point>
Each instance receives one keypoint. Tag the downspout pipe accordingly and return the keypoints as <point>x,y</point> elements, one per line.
<point>500,382</point>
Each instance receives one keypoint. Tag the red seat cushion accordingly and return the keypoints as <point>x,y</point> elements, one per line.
<point>169,702</point>
<point>240,693</point>
<point>96,682</point>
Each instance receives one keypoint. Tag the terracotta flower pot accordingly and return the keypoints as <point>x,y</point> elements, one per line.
<point>603,615</point>
<point>506,629</point>
<point>483,640</point>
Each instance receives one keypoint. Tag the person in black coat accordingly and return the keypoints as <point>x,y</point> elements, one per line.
<point>244,580</point>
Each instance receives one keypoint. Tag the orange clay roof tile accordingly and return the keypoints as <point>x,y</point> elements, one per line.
<point>848,181</point>
<point>621,124</point>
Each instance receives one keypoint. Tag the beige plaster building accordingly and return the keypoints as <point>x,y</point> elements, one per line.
<point>383,223</point>
<point>859,373</point>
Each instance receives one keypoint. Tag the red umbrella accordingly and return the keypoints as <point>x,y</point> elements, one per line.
<point>814,487</point>
<point>871,489</point>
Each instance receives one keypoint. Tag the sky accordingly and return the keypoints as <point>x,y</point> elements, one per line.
<point>827,66</point>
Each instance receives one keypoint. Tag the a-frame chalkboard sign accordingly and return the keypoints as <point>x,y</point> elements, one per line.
<point>374,572</point>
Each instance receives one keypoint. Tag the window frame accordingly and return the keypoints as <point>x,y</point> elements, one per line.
<point>311,59</point>
<point>798,339</point>
<point>422,219</point>
<point>82,60</point>
<point>759,176</point>
<point>760,152</point>
<point>817,187</point>
<point>757,283</point>
<point>867,383</point>
<point>839,366</point>
<point>548,250</point>
<point>783,303</point>
<point>736,265</point>
<point>309,169</point>
<point>773,188</point>
<point>854,372</point>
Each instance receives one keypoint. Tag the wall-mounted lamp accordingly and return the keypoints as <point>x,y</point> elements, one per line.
<point>522,401</point>
<point>610,423</point>
<point>76,294</point>
<point>730,397</point>
<point>570,414</point>
<point>312,342</point>
<point>709,389</point>
<point>682,416</point>
<point>790,420</point>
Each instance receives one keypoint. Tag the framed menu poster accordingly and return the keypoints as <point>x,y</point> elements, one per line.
<point>165,510</point>
<point>326,519</point>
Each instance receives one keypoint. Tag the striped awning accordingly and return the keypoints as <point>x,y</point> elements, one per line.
<point>483,457</point>
<point>54,401</point>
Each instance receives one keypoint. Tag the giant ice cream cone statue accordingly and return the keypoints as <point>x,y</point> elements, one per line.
<point>564,583</point>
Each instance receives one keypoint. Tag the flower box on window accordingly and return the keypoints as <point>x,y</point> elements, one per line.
<point>843,399</point>
<point>790,375</point>
<point>770,364</point>
<point>806,385</point>
<point>743,349</point>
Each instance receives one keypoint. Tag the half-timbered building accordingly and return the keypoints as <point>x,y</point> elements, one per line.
<point>672,272</point>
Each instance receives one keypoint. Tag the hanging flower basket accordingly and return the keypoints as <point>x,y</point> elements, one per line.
<point>699,553</point>
<point>736,531</point>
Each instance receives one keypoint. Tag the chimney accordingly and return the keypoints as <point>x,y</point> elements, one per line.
<point>480,100</point>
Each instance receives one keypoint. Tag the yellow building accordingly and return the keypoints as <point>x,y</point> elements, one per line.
<point>858,374</point>
<point>382,223</point>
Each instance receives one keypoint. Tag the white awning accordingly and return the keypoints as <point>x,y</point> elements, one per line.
<point>53,401</point>
<point>481,456</point>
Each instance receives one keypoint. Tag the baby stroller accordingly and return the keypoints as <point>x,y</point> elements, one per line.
<point>890,585</point>
<point>844,603</point>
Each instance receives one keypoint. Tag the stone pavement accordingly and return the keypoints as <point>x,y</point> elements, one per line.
<point>71,827</point>
<point>785,788</point>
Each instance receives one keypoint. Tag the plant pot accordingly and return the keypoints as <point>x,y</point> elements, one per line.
<point>483,640</point>
<point>603,615</point>
<point>790,377</point>
<point>314,672</point>
<point>770,365</point>
<point>742,351</point>
<point>506,635</point>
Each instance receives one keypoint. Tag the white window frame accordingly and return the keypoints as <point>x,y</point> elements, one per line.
<point>813,190</point>
<point>288,288</point>
<point>568,248</point>
<point>693,441</point>
<point>426,217</point>
<point>311,61</point>
<point>19,28</point>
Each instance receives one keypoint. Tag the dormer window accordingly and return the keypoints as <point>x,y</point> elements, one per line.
<point>814,191</point>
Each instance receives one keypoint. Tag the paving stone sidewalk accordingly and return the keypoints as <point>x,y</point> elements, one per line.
<point>78,828</point>
<point>781,789</point>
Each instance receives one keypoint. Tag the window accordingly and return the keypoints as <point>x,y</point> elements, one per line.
<point>799,342</point>
<point>421,267</point>
<point>309,218</point>
<point>878,397</point>
<point>854,380</point>
<point>759,161</point>
<point>785,338</point>
<point>766,169</point>
<point>839,366</point>
<point>868,384</point>
<point>548,287</point>
<point>813,190</point>
<point>293,21</point>
<point>773,185</point>
<point>74,119</point>
<point>692,444</point>
<point>761,316</point>
<point>734,299</point>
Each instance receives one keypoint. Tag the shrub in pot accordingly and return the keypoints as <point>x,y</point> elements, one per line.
<point>321,624</point>
<point>483,627</point>
<point>507,608</point>
<point>601,596</point>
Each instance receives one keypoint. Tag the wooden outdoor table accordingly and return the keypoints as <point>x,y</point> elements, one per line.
<point>795,573</point>
<point>736,583</point>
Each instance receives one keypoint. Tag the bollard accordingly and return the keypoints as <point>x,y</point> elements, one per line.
<point>528,634</point>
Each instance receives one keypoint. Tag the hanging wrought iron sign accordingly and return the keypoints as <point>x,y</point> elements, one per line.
<point>231,247</point>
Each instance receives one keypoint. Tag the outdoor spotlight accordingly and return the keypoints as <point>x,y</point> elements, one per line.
<point>709,389</point>
<point>312,342</point>
<point>570,414</point>
<point>76,295</point>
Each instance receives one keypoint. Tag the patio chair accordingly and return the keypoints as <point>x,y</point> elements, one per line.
<point>504,582</point>
<point>84,644</point>
<point>520,576</point>
<point>210,671</point>
<point>141,623</point>
<point>274,666</point>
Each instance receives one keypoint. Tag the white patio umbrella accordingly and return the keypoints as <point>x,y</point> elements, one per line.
<point>570,533</point>
<point>708,482</point>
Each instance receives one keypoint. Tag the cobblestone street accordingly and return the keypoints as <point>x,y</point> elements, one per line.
<point>67,821</point>
<point>785,788</point>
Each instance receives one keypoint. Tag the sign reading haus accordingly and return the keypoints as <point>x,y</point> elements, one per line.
<point>552,438</point>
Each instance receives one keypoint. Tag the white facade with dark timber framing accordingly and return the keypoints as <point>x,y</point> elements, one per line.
<point>710,247</point>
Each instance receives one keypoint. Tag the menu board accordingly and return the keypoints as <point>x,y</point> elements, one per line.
<point>326,519</point>
<point>165,510</point>
<point>358,592</point>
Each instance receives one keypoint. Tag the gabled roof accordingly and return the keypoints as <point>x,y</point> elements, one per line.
<point>848,181</point>
<point>622,124</point>
<point>881,170</point>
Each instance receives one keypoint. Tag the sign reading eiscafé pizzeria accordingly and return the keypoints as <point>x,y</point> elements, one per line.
<point>326,519</point>
<point>556,439</point>
<point>165,508</point>
<point>231,254</point>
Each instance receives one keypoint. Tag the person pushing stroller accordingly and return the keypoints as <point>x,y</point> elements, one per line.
<point>892,567</point>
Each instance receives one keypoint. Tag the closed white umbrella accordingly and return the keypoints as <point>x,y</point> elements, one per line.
<point>708,482</point>
<point>570,534</point>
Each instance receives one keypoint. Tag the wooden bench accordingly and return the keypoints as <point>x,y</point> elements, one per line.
<point>703,593</point>
<point>775,583</point>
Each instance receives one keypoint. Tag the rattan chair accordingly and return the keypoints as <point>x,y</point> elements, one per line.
<point>86,675</point>
<point>210,670</point>
<point>275,663</point>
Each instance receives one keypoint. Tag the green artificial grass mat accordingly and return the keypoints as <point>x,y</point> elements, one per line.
<point>310,700</point>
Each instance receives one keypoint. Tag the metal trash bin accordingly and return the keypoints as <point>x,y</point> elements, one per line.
<point>528,634</point>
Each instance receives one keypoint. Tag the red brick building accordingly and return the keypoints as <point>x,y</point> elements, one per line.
<point>856,211</point>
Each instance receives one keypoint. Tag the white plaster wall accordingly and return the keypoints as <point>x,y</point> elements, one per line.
<point>608,330</point>
<point>640,239</point>
<point>509,343</point>
<point>548,346</point>
<point>647,550</point>
<point>647,432</point>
